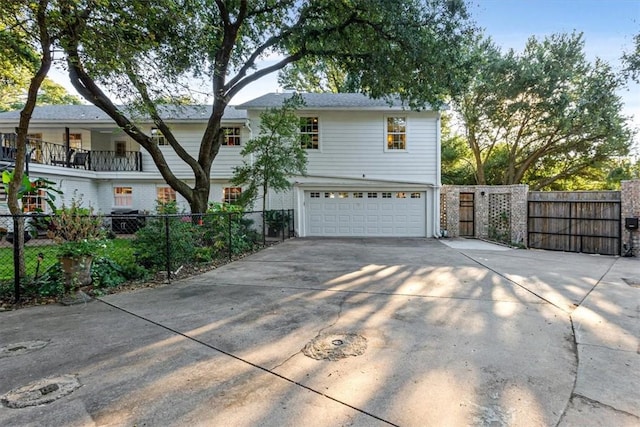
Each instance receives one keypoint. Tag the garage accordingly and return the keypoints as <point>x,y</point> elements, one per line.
<point>365,213</point>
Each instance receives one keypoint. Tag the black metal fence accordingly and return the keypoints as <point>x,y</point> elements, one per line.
<point>136,246</point>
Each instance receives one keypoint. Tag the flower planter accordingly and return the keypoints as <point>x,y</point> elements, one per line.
<point>76,271</point>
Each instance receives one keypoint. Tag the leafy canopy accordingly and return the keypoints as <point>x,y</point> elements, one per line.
<point>543,115</point>
<point>149,51</point>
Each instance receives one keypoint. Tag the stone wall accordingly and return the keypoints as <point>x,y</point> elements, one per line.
<point>630,200</point>
<point>500,211</point>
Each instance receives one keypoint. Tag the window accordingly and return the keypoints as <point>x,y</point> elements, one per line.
<point>34,137</point>
<point>329,195</point>
<point>372,195</point>
<point>315,195</point>
<point>75,141</point>
<point>166,194</point>
<point>401,195</point>
<point>309,133</point>
<point>121,149</point>
<point>343,195</point>
<point>34,145</point>
<point>158,137</point>
<point>231,194</point>
<point>386,195</point>
<point>415,195</point>
<point>396,133</point>
<point>123,196</point>
<point>231,136</point>
<point>3,194</point>
<point>357,195</point>
<point>34,202</point>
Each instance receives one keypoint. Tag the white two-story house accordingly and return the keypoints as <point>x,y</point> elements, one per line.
<point>373,168</point>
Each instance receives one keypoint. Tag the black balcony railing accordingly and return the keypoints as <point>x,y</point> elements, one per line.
<point>50,153</point>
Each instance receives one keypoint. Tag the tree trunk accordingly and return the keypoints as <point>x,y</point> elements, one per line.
<point>13,199</point>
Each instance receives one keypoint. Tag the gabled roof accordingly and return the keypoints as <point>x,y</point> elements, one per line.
<point>328,101</point>
<point>91,113</point>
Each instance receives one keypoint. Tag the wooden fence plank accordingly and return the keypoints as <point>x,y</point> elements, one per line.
<point>586,222</point>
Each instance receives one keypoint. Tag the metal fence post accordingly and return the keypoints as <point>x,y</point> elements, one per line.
<point>292,224</point>
<point>230,240</point>
<point>166,234</point>
<point>283,223</point>
<point>16,259</point>
<point>264,228</point>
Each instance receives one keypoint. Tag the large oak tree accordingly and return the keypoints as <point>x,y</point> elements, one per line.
<point>542,115</point>
<point>150,50</point>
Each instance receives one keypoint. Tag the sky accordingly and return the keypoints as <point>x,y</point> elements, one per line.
<point>608,27</point>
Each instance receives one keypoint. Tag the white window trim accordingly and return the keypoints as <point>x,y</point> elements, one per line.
<point>240,137</point>
<point>320,133</point>
<point>124,198</point>
<point>385,134</point>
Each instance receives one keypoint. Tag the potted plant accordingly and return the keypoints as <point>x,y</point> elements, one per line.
<point>79,233</point>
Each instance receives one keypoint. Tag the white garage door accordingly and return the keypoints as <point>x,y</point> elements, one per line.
<point>365,213</point>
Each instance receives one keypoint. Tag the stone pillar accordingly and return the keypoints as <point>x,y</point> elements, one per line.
<point>630,208</point>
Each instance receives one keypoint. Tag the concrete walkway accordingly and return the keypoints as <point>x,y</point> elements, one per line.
<point>445,336</point>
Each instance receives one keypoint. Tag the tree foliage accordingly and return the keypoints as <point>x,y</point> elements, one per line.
<point>276,153</point>
<point>20,56</point>
<point>542,116</point>
<point>631,61</point>
<point>145,51</point>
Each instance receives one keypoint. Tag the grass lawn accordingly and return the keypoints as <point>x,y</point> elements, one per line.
<point>119,250</point>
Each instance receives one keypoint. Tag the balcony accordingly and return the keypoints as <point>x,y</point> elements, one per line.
<point>49,153</point>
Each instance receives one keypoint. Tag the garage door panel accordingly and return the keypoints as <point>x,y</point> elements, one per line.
<point>349,215</point>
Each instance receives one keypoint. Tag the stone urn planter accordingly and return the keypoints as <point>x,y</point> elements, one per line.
<point>79,234</point>
<point>76,271</point>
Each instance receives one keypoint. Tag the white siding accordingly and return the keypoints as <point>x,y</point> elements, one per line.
<point>190,136</point>
<point>352,145</point>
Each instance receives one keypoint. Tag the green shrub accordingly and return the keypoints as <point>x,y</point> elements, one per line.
<point>150,242</point>
<point>226,229</point>
<point>51,283</point>
<point>106,273</point>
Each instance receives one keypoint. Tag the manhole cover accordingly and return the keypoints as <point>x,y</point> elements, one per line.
<point>20,348</point>
<point>335,346</point>
<point>633,282</point>
<point>40,392</point>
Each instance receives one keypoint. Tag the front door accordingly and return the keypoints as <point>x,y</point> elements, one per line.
<point>467,213</point>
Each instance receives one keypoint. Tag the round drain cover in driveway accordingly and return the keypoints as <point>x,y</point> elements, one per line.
<point>335,346</point>
<point>40,392</point>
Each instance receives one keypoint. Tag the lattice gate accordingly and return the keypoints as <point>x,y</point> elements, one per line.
<point>500,217</point>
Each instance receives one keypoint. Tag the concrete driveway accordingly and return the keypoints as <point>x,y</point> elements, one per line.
<point>458,334</point>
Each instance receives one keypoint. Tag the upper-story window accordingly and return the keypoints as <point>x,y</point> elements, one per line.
<point>158,137</point>
<point>396,133</point>
<point>75,141</point>
<point>121,148</point>
<point>309,133</point>
<point>231,136</point>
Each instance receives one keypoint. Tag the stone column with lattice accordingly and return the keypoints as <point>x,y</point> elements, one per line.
<point>630,208</point>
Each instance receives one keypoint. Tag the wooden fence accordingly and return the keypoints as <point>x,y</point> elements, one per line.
<point>575,221</point>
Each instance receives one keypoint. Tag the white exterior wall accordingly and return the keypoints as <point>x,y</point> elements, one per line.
<point>190,136</point>
<point>353,145</point>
